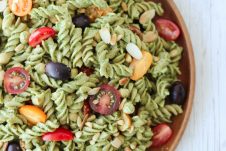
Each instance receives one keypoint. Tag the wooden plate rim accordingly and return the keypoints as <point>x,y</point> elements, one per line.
<point>191,90</point>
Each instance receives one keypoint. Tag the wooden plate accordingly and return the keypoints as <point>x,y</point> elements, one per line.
<point>187,66</point>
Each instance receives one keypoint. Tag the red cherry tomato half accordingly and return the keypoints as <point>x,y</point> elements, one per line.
<point>60,134</point>
<point>106,101</point>
<point>16,80</point>
<point>88,71</point>
<point>86,108</point>
<point>167,29</point>
<point>162,134</point>
<point>41,34</point>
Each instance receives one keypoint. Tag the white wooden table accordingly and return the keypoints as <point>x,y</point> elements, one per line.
<point>206,21</point>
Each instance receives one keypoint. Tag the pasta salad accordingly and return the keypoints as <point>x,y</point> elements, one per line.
<point>98,75</point>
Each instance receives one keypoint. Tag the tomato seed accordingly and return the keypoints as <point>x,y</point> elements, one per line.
<point>95,101</point>
<point>22,85</point>
<point>16,87</point>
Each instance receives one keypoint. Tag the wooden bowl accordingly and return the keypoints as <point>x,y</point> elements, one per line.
<point>187,66</point>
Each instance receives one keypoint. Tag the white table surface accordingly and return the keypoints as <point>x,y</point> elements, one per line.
<point>206,21</point>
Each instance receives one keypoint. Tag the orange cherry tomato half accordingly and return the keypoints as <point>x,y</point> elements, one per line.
<point>16,80</point>
<point>33,114</point>
<point>20,7</point>
<point>41,34</point>
<point>162,134</point>
<point>60,134</point>
<point>167,29</point>
<point>140,67</point>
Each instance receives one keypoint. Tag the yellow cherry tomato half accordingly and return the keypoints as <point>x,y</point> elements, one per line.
<point>20,7</point>
<point>140,67</point>
<point>33,114</point>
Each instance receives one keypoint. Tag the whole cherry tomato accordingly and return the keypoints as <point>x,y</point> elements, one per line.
<point>167,29</point>
<point>162,134</point>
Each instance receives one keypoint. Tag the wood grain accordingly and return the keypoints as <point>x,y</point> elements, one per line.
<point>206,21</point>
